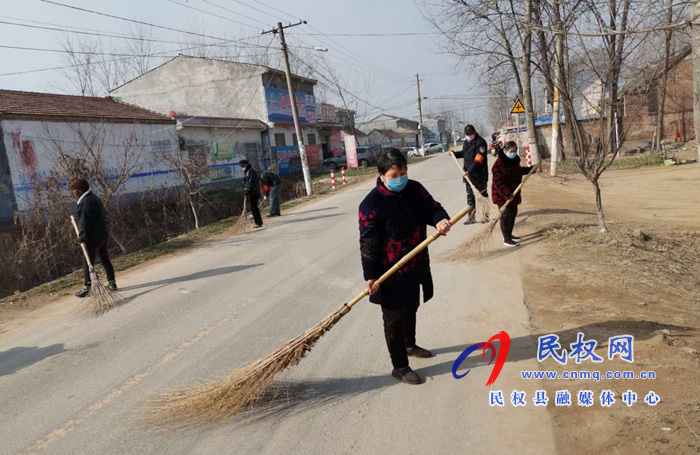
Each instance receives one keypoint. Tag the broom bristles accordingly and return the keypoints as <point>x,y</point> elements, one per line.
<point>242,224</point>
<point>476,246</point>
<point>100,300</point>
<point>211,401</point>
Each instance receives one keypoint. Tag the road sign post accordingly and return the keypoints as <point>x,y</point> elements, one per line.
<point>517,109</point>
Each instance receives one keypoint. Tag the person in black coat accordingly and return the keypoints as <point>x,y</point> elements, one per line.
<point>251,180</point>
<point>476,167</point>
<point>272,184</point>
<point>507,175</point>
<point>92,231</point>
<point>393,219</point>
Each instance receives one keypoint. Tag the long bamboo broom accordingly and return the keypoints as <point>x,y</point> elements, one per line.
<point>243,224</point>
<point>481,242</point>
<point>483,205</point>
<point>101,299</point>
<point>211,401</point>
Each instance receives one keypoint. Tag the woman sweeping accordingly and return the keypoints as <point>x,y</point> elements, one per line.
<point>393,219</point>
<point>507,175</point>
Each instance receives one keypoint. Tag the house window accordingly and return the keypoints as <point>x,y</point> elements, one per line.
<point>294,140</point>
<point>280,140</point>
<point>311,138</point>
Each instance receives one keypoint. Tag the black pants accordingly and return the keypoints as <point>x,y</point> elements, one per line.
<point>254,199</point>
<point>481,188</point>
<point>508,221</point>
<point>400,332</point>
<point>93,252</point>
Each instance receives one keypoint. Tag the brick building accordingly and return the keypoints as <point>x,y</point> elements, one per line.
<point>641,100</point>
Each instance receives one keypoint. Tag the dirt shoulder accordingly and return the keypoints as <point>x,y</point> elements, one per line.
<point>621,283</point>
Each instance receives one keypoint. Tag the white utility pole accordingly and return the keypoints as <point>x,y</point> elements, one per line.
<point>696,72</point>
<point>293,100</point>
<point>454,134</point>
<point>420,116</point>
<point>558,62</point>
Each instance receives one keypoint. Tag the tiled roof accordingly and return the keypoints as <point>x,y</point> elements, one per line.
<point>50,106</point>
<point>394,134</point>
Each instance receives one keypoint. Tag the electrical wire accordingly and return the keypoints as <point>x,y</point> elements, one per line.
<point>163,27</point>
<point>234,12</point>
<point>184,5</point>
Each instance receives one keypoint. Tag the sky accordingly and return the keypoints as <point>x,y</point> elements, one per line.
<point>390,61</point>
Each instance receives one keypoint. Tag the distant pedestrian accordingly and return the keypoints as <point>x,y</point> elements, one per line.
<point>476,167</point>
<point>507,175</point>
<point>272,185</point>
<point>92,231</point>
<point>251,180</point>
<point>393,219</point>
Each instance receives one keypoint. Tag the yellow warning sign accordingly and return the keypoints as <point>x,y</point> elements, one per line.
<point>518,108</point>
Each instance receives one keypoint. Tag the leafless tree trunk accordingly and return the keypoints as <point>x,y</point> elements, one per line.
<point>659,131</point>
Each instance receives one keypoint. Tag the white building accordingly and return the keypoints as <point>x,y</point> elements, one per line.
<point>41,131</point>
<point>253,98</point>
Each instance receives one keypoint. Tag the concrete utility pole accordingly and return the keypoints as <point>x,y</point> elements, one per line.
<point>420,116</point>
<point>559,51</point>
<point>293,100</point>
<point>696,73</point>
<point>454,133</point>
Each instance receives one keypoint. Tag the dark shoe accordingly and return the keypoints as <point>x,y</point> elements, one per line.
<point>510,243</point>
<point>417,351</point>
<point>83,292</point>
<point>112,286</point>
<point>257,226</point>
<point>515,238</point>
<point>471,218</point>
<point>406,375</point>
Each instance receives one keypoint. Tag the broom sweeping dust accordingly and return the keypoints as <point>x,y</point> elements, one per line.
<point>483,205</point>
<point>482,242</point>
<point>243,224</point>
<point>211,401</point>
<point>100,299</point>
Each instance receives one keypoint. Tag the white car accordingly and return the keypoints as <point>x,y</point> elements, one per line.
<point>433,147</point>
<point>412,152</point>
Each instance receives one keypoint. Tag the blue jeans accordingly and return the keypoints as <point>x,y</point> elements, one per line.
<point>275,200</point>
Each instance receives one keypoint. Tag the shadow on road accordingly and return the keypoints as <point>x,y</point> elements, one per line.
<point>311,218</point>
<point>15,359</point>
<point>311,211</point>
<point>193,276</point>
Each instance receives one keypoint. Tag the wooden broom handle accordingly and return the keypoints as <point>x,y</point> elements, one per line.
<point>423,245</point>
<point>461,169</point>
<point>517,190</point>
<point>82,245</point>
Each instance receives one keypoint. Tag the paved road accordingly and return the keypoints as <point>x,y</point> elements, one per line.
<point>73,386</point>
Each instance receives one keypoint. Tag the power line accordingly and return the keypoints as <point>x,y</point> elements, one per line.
<point>234,12</point>
<point>163,27</point>
<point>377,34</point>
<point>211,14</point>
<point>155,54</point>
<point>106,54</point>
<point>361,59</point>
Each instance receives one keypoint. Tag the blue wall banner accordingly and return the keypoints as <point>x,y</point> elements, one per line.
<point>279,106</point>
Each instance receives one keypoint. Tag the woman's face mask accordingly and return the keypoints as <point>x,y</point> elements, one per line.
<point>512,154</point>
<point>395,179</point>
<point>396,184</point>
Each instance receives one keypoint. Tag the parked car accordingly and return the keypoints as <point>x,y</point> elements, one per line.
<point>433,147</point>
<point>336,162</point>
<point>411,152</point>
<point>367,156</point>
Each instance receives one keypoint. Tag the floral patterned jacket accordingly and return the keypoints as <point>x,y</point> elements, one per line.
<point>391,225</point>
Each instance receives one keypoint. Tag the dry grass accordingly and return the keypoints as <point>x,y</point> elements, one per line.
<point>209,402</point>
